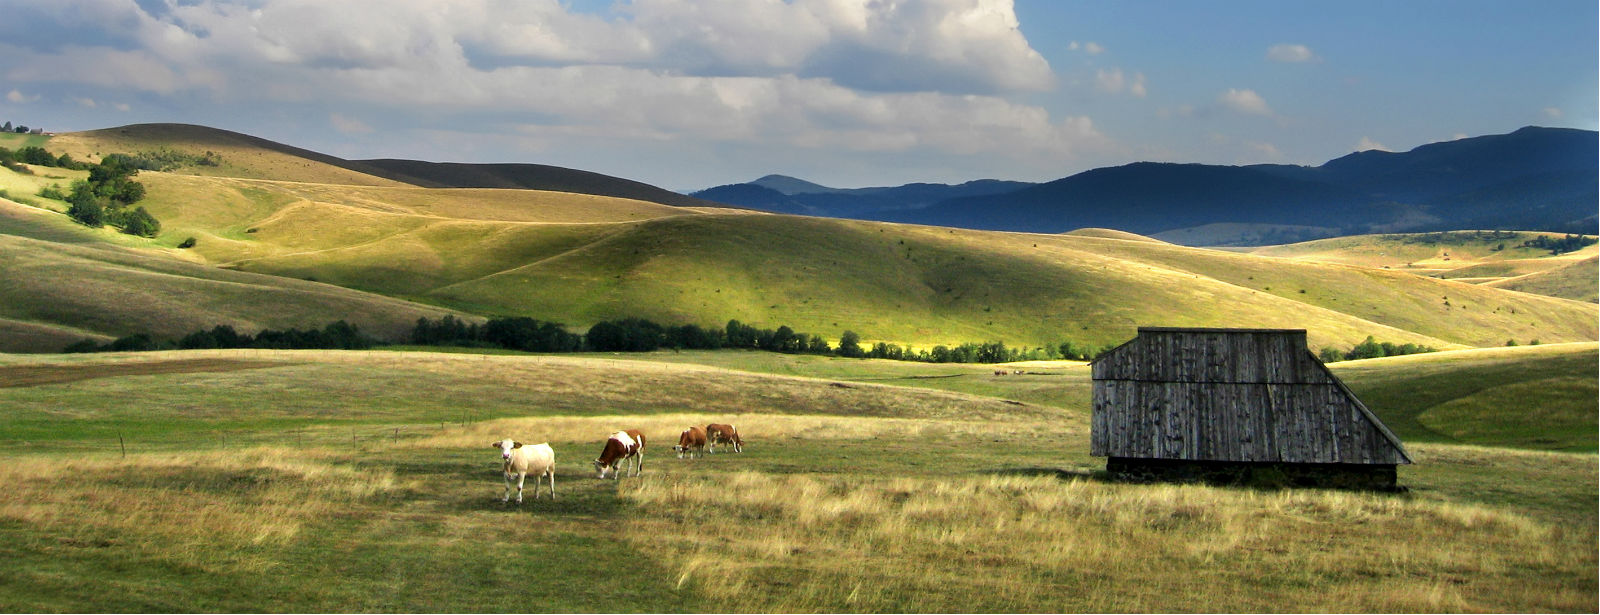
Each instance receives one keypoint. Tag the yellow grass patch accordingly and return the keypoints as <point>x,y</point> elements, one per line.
<point>800,543</point>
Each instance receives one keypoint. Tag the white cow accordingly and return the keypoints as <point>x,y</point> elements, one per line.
<point>520,461</point>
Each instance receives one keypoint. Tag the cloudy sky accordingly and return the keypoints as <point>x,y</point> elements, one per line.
<point>690,94</point>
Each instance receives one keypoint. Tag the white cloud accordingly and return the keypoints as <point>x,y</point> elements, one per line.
<point>862,75</point>
<point>1553,113</point>
<point>1290,53</point>
<point>1244,101</point>
<point>87,103</point>
<point>1115,82</point>
<point>18,97</point>
<point>1091,47</point>
<point>1369,144</point>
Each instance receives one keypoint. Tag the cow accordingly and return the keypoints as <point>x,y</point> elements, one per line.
<point>520,461</point>
<point>620,447</point>
<point>717,433</point>
<point>691,441</point>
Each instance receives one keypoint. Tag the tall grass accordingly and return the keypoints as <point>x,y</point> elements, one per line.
<point>801,543</point>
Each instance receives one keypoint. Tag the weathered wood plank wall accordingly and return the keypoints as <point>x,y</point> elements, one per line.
<point>1229,395</point>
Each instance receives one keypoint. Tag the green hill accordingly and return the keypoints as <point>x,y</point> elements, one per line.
<point>579,259</point>
<point>1537,397</point>
<point>72,283</point>
<point>1576,281</point>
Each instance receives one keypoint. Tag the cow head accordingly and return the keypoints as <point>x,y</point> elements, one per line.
<point>506,446</point>
<point>600,469</point>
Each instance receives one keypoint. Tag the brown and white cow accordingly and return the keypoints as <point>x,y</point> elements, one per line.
<point>691,441</point>
<point>718,433</point>
<point>620,447</point>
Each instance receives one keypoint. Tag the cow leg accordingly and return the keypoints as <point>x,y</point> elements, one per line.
<point>506,497</point>
<point>552,484</point>
<point>521,476</point>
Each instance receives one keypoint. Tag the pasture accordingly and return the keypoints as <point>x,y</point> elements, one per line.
<point>364,481</point>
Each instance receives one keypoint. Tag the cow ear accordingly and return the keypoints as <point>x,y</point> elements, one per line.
<point>495,445</point>
<point>516,445</point>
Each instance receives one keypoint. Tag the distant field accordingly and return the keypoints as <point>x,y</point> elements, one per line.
<point>1495,259</point>
<point>353,481</point>
<point>1576,281</point>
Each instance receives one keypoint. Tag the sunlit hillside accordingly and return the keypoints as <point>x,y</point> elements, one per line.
<point>580,259</point>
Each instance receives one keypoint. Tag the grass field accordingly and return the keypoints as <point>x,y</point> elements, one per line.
<point>363,481</point>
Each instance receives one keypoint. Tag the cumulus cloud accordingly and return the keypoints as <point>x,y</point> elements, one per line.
<point>16,96</point>
<point>1290,53</point>
<point>853,74</point>
<point>1553,113</point>
<point>1244,101</point>
<point>1368,144</point>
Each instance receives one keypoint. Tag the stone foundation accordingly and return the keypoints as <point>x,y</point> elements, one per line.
<point>1254,474</point>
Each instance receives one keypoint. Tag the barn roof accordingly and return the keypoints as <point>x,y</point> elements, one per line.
<point>1231,395</point>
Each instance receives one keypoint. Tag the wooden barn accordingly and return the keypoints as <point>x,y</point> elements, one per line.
<point>1234,406</point>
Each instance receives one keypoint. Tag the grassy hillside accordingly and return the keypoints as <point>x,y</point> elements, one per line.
<point>1576,280</point>
<point>366,483</point>
<point>1457,254</point>
<point>1541,397</point>
<point>240,155</point>
<point>579,259</point>
<point>71,286</point>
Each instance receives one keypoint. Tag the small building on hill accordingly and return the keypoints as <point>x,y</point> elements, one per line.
<point>1234,406</point>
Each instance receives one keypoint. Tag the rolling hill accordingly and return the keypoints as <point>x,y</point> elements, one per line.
<point>245,156</point>
<point>579,259</point>
<point>62,284</point>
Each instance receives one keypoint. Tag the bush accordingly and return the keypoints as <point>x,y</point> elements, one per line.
<point>188,243</point>
<point>139,222</point>
<point>89,212</point>
<point>53,191</point>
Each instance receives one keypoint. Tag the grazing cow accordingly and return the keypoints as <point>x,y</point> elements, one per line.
<point>520,461</point>
<point>717,433</point>
<point>691,441</point>
<point>620,447</point>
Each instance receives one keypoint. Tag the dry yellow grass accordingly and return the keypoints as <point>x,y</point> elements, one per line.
<point>200,506</point>
<point>804,543</point>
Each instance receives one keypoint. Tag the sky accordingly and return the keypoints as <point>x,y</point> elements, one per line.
<point>847,93</point>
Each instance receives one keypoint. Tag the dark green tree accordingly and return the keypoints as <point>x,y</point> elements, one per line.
<point>850,345</point>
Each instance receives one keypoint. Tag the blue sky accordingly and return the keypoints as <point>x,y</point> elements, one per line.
<point>687,95</point>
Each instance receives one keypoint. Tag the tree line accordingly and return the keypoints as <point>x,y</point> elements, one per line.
<point>1570,243</point>
<point>335,336</point>
<point>1372,349</point>
<point>625,335</point>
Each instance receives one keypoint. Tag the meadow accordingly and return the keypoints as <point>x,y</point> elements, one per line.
<point>364,481</point>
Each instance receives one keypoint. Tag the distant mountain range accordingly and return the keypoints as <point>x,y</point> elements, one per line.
<point>1532,179</point>
<point>778,193</point>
